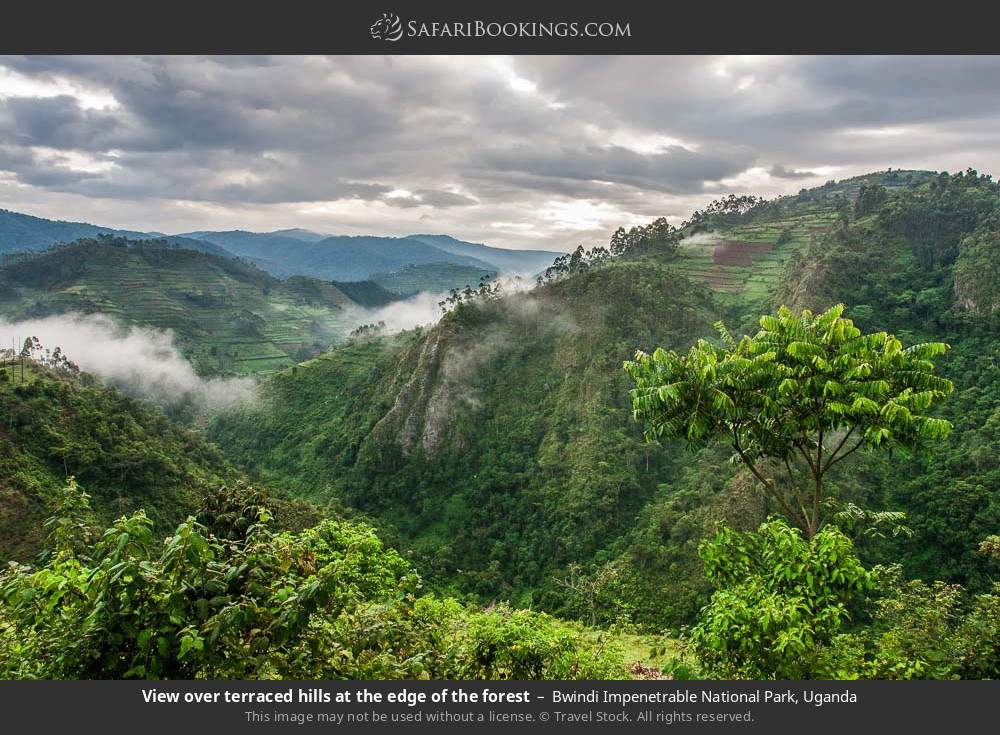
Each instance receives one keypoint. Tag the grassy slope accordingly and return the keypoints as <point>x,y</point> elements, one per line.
<point>228,316</point>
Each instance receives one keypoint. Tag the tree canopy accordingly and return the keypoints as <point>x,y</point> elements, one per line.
<point>805,390</point>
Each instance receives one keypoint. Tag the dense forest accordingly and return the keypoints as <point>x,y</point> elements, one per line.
<point>795,475</point>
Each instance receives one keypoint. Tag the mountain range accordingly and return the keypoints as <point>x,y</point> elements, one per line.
<point>26,233</point>
<point>351,258</point>
<point>295,251</point>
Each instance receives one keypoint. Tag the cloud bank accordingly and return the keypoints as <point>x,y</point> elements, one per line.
<point>144,362</point>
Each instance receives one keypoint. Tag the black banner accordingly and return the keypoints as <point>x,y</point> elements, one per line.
<point>437,27</point>
<point>421,706</point>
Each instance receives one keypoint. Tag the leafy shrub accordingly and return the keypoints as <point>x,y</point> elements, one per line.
<point>521,644</point>
<point>924,630</point>
<point>224,596</point>
<point>779,600</point>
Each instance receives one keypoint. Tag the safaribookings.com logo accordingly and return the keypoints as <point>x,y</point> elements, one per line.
<point>390,28</point>
<point>387,28</point>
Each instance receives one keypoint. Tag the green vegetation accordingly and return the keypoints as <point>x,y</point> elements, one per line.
<point>805,391</point>
<point>55,424</point>
<point>229,317</point>
<point>494,490</point>
<point>788,520</point>
<point>547,494</point>
<point>788,608</point>
<point>221,599</point>
<point>779,602</point>
<point>433,277</point>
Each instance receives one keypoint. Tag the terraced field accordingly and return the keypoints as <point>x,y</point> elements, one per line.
<point>228,317</point>
<point>745,262</point>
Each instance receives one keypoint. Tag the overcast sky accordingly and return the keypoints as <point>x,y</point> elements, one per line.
<point>520,152</point>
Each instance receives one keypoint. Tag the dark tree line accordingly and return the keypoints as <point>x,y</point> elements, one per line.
<point>658,236</point>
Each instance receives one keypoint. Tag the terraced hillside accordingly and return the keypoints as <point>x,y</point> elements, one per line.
<point>747,261</point>
<point>229,317</point>
<point>744,264</point>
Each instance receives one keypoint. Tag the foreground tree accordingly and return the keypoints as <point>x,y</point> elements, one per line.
<point>794,400</point>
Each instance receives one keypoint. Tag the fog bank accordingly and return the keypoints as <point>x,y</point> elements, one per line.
<point>140,360</point>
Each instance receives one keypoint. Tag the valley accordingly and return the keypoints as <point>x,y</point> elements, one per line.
<point>498,451</point>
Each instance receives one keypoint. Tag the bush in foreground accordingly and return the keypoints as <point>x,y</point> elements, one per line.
<point>226,596</point>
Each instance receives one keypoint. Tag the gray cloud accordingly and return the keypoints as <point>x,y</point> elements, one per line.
<point>673,170</point>
<point>780,172</point>
<point>521,152</point>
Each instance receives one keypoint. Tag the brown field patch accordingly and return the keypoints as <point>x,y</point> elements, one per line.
<point>737,252</point>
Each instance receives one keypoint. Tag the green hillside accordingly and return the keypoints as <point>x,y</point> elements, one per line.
<point>55,424</point>
<point>433,277</point>
<point>157,543</point>
<point>229,317</point>
<point>743,263</point>
<point>495,488</point>
<point>500,454</point>
<point>499,445</point>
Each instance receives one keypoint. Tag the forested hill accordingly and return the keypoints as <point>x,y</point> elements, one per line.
<point>229,317</point>
<point>55,424</point>
<point>124,538</point>
<point>25,233</point>
<point>499,446</point>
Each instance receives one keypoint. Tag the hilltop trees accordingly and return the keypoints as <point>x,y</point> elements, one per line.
<point>727,212</point>
<point>794,400</point>
<point>934,219</point>
<point>488,290</point>
<point>658,236</point>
